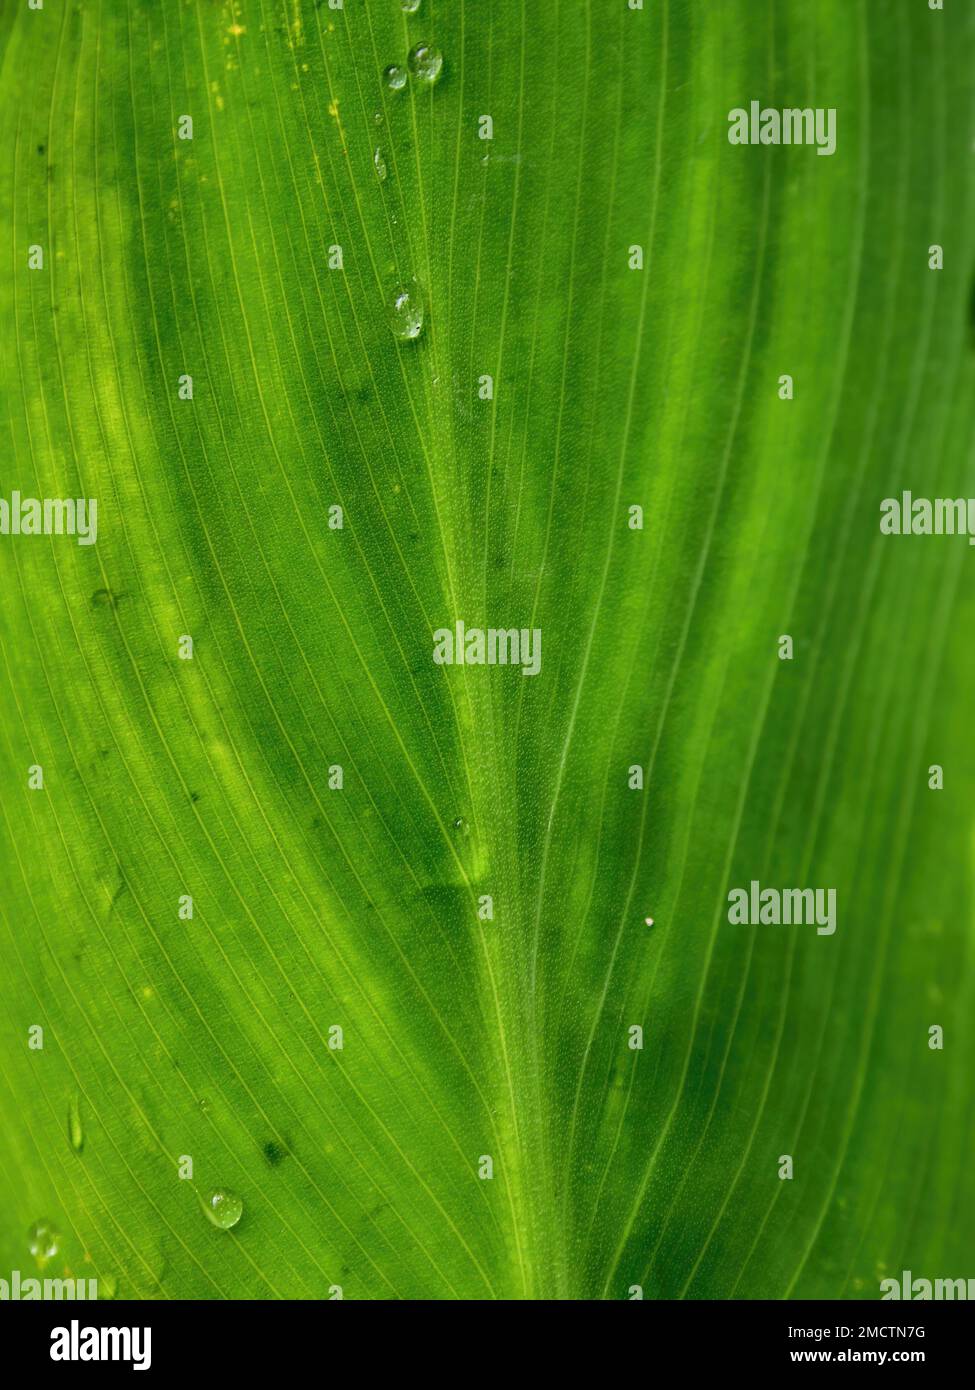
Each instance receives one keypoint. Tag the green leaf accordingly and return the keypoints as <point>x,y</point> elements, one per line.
<point>469,1037</point>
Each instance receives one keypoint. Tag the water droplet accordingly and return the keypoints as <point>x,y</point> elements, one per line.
<point>405,310</point>
<point>76,1135</point>
<point>425,63</point>
<point>380,164</point>
<point>45,1241</point>
<point>395,77</point>
<point>649,921</point>
<point>409,6</point>
<point>377,116</point>
<point>224,1208</point>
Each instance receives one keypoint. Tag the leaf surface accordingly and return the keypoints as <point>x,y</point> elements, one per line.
<point>468,1038</point>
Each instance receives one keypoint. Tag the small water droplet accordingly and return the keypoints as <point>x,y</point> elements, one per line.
<point>425,63</point>
<point>377,116</point>
<point>76,1135</point>
<point>395,77</point>
<point>460,823</point>
<point>409,6</point>
<point>45,1241</point>
<point>380,164</point>
<point>405,310</point>
<point>224,1208</point>
<point>649,921</point>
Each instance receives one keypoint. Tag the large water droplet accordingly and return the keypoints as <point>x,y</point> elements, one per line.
<point>224,1208</point>
<point>380,164</point>
<point>405,310</point>
<point>76,1135</point>
<point>425,63</point>
<point>395,77</point>
<point>409,6</point>
<point>45,1241</point>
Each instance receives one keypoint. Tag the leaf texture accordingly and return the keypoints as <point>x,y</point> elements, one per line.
<point>361,907</point>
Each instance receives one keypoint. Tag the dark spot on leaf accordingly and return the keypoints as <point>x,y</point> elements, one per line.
<point>104,598</point>
<point>194,796</point>
<point>274,1153</point>
<point>41,149</point>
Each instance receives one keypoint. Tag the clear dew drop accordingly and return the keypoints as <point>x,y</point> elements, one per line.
<point>409,6</point>
<point>44,1240</point>
<point>380,164</point>
<point>224,1208</point>
<point>425,63</point>
<point>76,1134</point>
<point>404,310</point>
<point>395,77</point>
<point>462,836</point>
